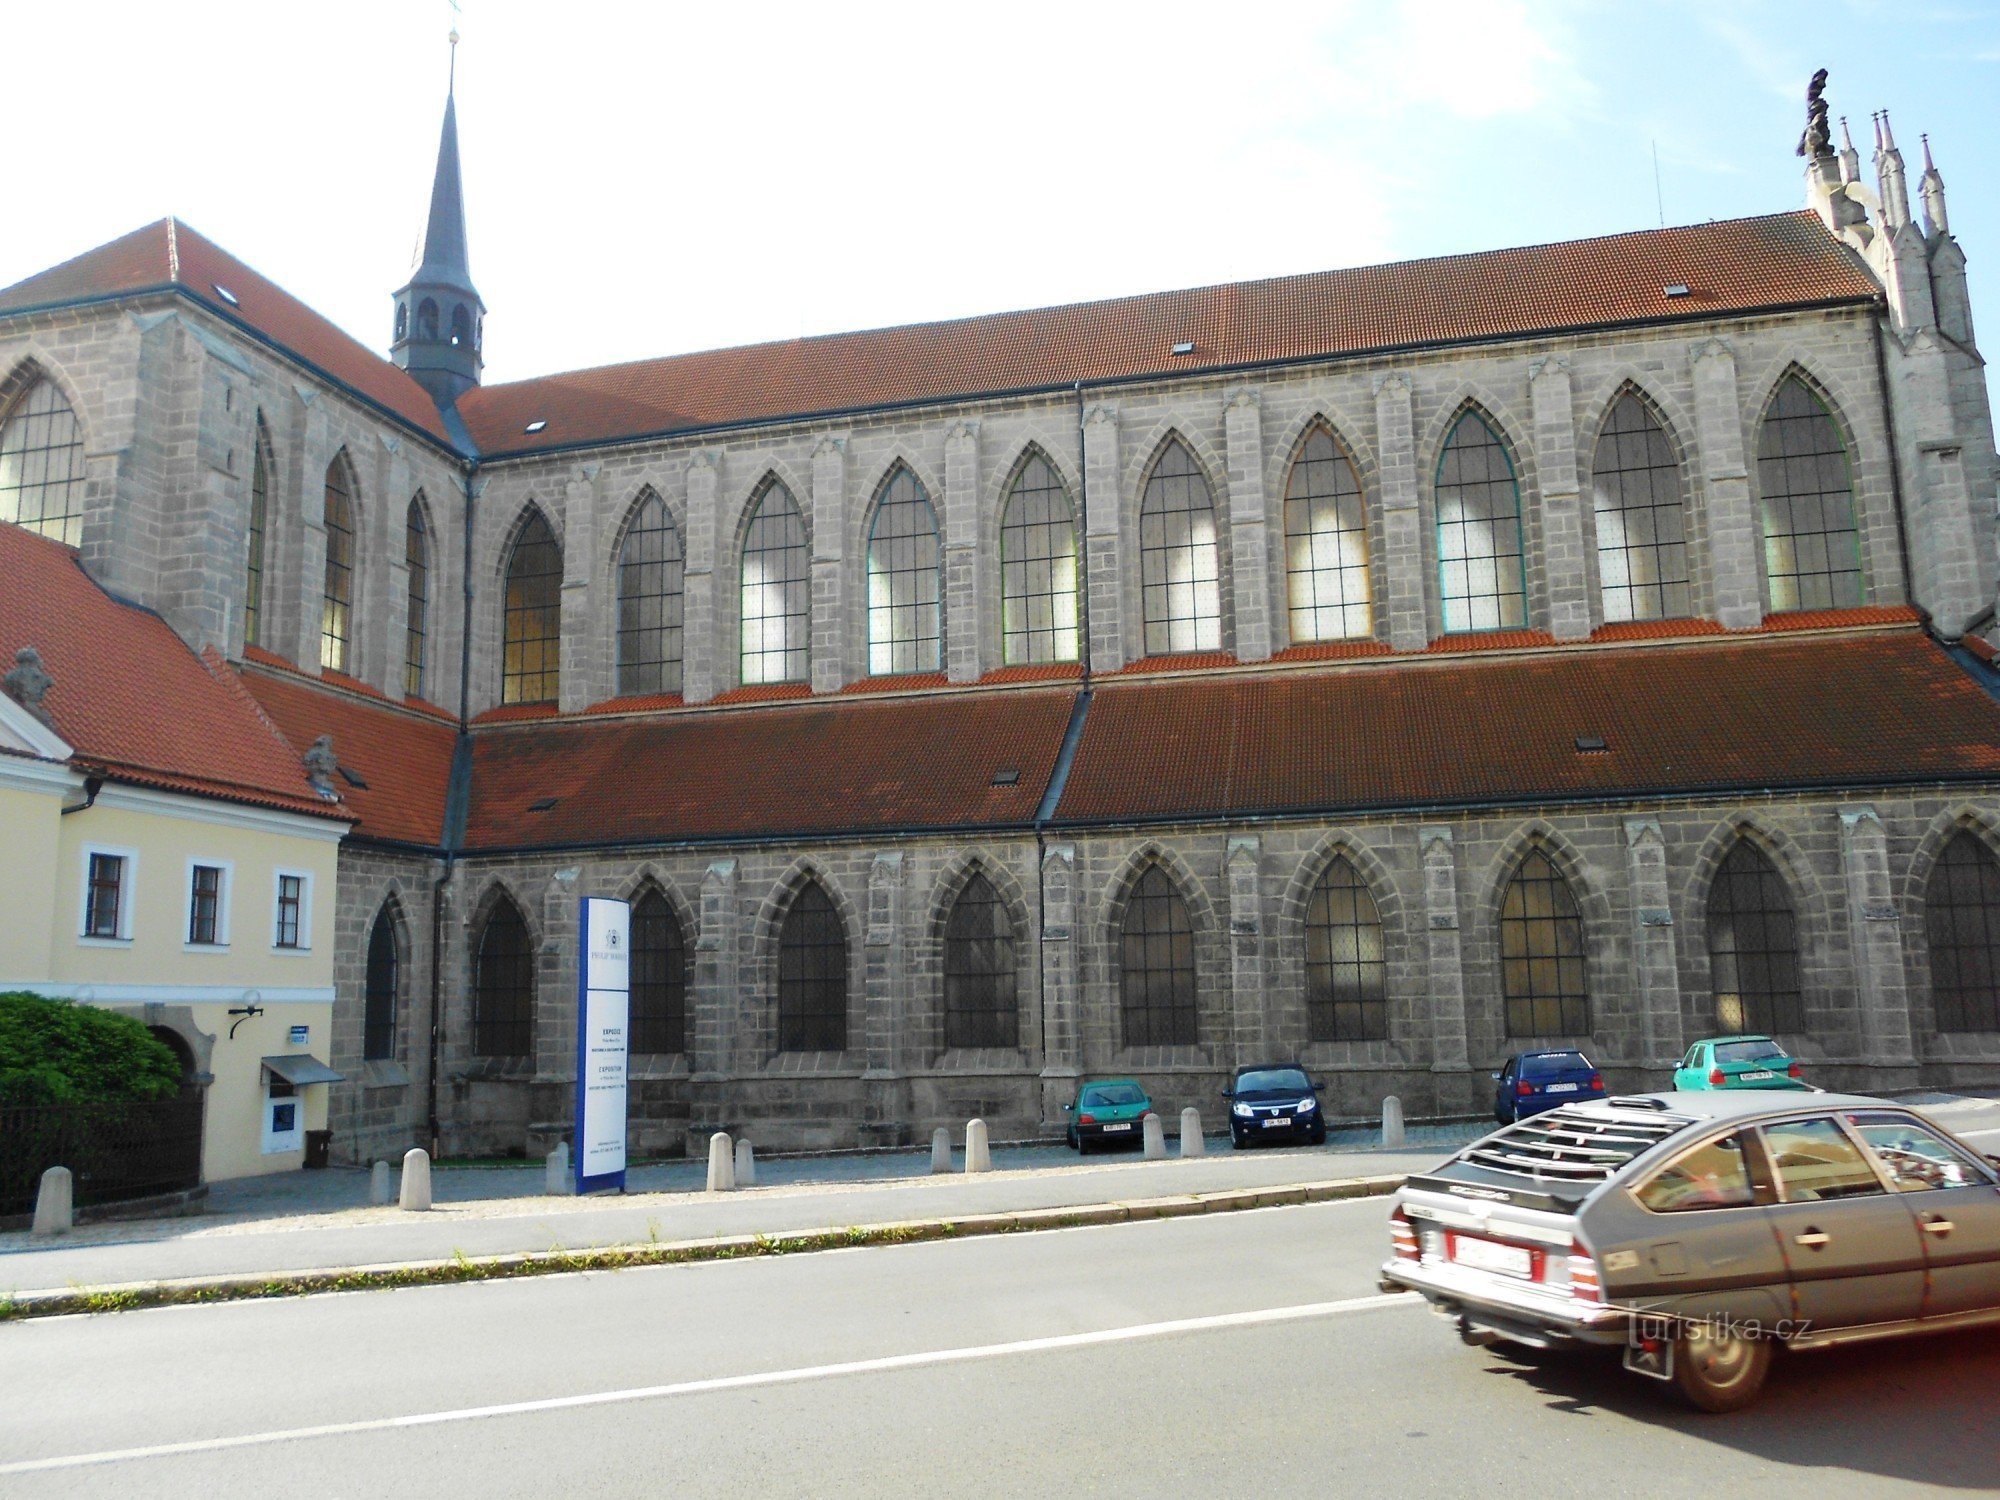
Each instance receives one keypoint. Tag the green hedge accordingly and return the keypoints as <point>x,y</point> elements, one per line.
<point>55,1052</point>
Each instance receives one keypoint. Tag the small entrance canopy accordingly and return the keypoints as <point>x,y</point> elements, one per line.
<point>301,1068</point>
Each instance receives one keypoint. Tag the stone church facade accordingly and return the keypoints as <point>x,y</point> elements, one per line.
<point>1391,669</point>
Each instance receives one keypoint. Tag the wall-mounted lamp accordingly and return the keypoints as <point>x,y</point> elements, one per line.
<point>242,1014</point>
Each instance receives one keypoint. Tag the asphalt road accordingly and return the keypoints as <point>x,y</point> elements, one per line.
<point>1242,1353</point>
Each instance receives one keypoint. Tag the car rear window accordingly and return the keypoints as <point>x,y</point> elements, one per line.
<point>1565,1152</point>
<point>1753,1051</point>
<point>1552,1064</point>
<point>1106,1095</point>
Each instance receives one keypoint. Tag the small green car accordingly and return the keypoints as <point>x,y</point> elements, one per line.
<point>1738,1062</point>
<point>1107,1112</point>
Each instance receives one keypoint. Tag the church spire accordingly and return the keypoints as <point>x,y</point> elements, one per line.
<point>439,317</point>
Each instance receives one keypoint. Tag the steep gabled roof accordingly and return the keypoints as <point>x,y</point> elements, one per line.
<point>1779,261</point>
<point>168,255</point>
<point>135,703</point>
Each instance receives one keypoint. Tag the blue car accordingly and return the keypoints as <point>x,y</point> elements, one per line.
<point>1531,1082</point>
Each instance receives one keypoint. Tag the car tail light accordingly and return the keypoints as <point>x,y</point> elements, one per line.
<point>1583,1282</point>
<point>1524,1089</point>
<point>1795,1071</point>
<point>1086,1119</point>
<point>1715,1079</point>
<point>1597,1082</point>
<point>1403,1237</point>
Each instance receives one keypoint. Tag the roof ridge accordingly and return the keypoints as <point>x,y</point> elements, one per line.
<point>269,664</point>
<point>224,672</point>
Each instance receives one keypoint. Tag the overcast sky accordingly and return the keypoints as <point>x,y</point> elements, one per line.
<point>644,179</point>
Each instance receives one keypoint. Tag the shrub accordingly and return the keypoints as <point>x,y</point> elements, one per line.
<point>55,1052</point>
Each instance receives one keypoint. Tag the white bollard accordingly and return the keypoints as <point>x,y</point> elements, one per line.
<point>555,1171</point>
<point>381,1184</point>
<point>1392,1122</point>
<point>416,1179</point>
<point>55,1203</point>
<point>977,1157</point>
<point>1191,1142</point>
<point>1156,1138</point>
<point>721,1163</point>
<point>940,1150</point>
<point>746,1165</point>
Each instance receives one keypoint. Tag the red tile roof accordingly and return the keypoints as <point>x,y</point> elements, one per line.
<point>1492,640</point>
<point>820,768</point>
<point>1679,719</point>
<point>132,700</point>
<point>403,754</point>
<point>1782,260</point>
<point>1838,619</point>
<point>1653,630</point>
<point>169,254</point>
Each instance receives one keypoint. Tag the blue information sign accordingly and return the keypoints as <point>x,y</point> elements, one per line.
<point>603,1009</point>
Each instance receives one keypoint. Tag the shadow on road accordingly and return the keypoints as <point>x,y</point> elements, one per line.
<point>1916,1409</point>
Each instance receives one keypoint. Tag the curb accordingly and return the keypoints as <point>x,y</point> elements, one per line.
<point>126,1296</point>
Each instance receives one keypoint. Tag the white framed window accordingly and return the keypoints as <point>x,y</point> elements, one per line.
<point>206,924</point>
<point>109,882</point>
<point>291,916</point>
<point>284,1116</point>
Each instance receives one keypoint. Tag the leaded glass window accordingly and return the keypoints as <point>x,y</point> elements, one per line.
<point>253,562</point>
<point>1481,580</point>
<point>503,985</point>
<point>1962,919</point>
<point>1344,962</point>
<point>1038,574</point>
<point>1812,553</point>
<point>1157,966</point>
<point>812,975</point>
<point>659,977</point>
<point>380,989</point>
<point>903,580</point>
<point>1542,970</point>
<point>1753,946</point>
<point>531,654</point>
<point>1326,545</point>
<point>41,465</point>
<point>980,1004</point>
<point>650,584</point>
<point>776,592</point>
<point>417,557</point>
<point>336,614</point>
<point>1642,555</point>
<point>1180,568</point>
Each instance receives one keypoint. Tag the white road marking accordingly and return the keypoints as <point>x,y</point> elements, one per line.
<point>730,1382</point>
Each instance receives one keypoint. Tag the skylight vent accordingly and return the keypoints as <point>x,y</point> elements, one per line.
<point>537,425</point>
<point>544,805</point>
<point>1587,744</point>
<point>1007,776</point>
<point>1678,289</point>
<point>1184,347</point>
<point>225,294</point>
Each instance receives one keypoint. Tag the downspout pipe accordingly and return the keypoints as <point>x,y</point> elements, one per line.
<point>1895,461</point>
<point>457,795</point>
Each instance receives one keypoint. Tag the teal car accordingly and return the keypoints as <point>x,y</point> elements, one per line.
<point>1107,1112</point>
<point>1738,1062</point>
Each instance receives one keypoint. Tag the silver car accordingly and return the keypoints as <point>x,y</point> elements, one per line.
<point>1700,1231</point>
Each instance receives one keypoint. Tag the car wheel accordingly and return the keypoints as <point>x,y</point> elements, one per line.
<point>1318,1136</point>
<point>1075,1144</point>
<point>1720,1370</point>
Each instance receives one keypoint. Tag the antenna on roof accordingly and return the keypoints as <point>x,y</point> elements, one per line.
<point>1659,198</point>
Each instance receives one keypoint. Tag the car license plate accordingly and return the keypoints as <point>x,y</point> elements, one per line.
<point>1126,1126</point>
<point>1560,1088</point>
<point>1761,1076</point>
<point>1490,1255</point>
<point>1276,1124</point>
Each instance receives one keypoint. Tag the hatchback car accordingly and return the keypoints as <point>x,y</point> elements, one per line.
<point>1274,1102</point>
<point>1738,1062</point>
<point>1702,1231</point>
<point>1107,1112</point>
<point>1530,1082</point>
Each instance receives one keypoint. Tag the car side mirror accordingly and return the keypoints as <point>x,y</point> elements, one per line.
<point>1227,1094</point>
<point>1068,1107</point>
<point>1494,1076</point>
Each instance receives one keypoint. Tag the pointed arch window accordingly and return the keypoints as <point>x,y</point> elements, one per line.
<point>1157,966</point>
<point>1345,999</point>
<point>659,977</point>
<point>503,985</point>
<point>903,580</point>
<point>776,594</point>
<point>1180,567</point>
<point>1642,555</point>
<point>1962,921</point>
<point>1542,970</point>
<point>1326,545</point>
<point>461,327</point>
<point>1482,582</point>
<point>650,602</point>
<point>336,613</point>
<point>41,465</point>
<point>531,653</point>
<point>1812,552</point>
<point>427,320</point>
<point>253,561</point>
<point>1038,575</point>
<point>381,989</point>
<point>1753,946</point>
<point>417,557</point>
<point>812,975</point>
<point>981,1007</point>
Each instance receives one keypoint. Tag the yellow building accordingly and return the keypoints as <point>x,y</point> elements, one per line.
<point>166,854</point>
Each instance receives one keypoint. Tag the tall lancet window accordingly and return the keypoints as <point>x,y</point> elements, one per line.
<point>776,597</point>
<point>1038,576</point>
<point>650,587</point>
<point>903,580</point>
<point>336,614</point>
<point>1642,555</point>
<point>1481,581</point>
<point>41,465</point>
<point>1180,567</point>
<point>1326,544</point>
<point>531,654</point>
<point>253,561</point>
<point>1812,552</point>
<point>417,557</point>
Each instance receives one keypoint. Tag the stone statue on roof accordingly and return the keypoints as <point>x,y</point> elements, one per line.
<point>1818,138</point>
<point>321,767</point>
<point>29,682</point>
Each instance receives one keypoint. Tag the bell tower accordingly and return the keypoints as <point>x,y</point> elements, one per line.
<point>440,321</point>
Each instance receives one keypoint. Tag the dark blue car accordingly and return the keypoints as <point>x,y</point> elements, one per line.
<point>1530,1082</point>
